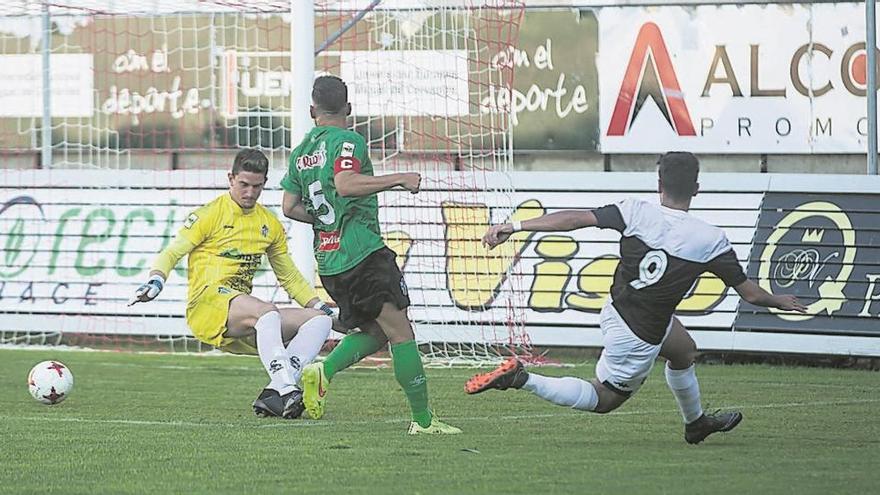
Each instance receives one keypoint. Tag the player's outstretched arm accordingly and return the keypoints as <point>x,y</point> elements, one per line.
<point>293,207</point>
<point>295,284</point>
<point>754,294</point>
<point>289,276</point>
<point>559,221</point>
<point>165,262</point>
<point>351,184</point>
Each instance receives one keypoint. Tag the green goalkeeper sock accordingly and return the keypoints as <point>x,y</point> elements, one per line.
<point>351,349</point>
<point>411,376</point>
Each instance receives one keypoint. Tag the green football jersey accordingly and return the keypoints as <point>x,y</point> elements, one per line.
<point>346,229</point>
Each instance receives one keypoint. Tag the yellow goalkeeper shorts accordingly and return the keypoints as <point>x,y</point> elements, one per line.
<point>207,312</point>
<point>244,345</point>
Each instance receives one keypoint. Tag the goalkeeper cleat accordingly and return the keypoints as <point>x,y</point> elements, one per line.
<point>436,427</point>
<point>268,404</point>
<point>511,374</point>
<point>707,424</point>
<point>293,404</point>
<point>271,404</point>
<point>314,383</point>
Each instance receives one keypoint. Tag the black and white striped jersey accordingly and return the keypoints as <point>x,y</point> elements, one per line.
<point>662,254</point>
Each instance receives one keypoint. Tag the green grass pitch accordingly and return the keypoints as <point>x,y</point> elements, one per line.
<point>139,423</point>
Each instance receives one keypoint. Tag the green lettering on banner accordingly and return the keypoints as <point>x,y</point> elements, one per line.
<point>121,269</point>
<point>14,242</point>
<point>59,236</point>
<point>89,239</point>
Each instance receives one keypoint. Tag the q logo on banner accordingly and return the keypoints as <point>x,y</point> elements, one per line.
<point>800,267</point>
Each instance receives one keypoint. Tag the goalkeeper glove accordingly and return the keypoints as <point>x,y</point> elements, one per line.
<point>338,326</point>
<point>322,306</point>
<point>149,290</point>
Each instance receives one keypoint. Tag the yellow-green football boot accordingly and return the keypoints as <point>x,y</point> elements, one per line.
<point>314,385</point>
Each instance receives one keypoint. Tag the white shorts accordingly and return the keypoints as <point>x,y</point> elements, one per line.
<point>626,359</point>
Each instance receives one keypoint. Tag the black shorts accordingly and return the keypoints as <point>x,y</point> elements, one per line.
<point>361,291</point>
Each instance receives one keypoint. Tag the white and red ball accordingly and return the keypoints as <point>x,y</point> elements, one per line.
<point>50,382</point>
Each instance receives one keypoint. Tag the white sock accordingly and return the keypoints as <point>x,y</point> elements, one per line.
<point>566,391</point>
<point>307,343</point>
<point>686,390</point>
<point>272,353</point>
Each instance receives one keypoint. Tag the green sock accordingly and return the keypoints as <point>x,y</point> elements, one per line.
<point>351,349</point>
<point>411,376</point>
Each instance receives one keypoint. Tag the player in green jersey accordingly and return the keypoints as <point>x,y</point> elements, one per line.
<point>330,185</point>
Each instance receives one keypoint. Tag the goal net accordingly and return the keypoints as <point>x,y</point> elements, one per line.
<point>146,104</point>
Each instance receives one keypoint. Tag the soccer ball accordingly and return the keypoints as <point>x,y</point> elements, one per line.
<point>50,382</point>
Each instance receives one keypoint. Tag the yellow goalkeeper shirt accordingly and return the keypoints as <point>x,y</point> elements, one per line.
<point>226,245</point>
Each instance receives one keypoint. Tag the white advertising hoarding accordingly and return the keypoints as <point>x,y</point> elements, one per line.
<point>407,82</point>
<point>431,83</point>
<point>72,258</point>
<point>72,252</point>
<point>72,84</point>
<point>733,79</point>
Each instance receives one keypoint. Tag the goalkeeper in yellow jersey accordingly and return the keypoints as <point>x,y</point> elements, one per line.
<point>226,240</point>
